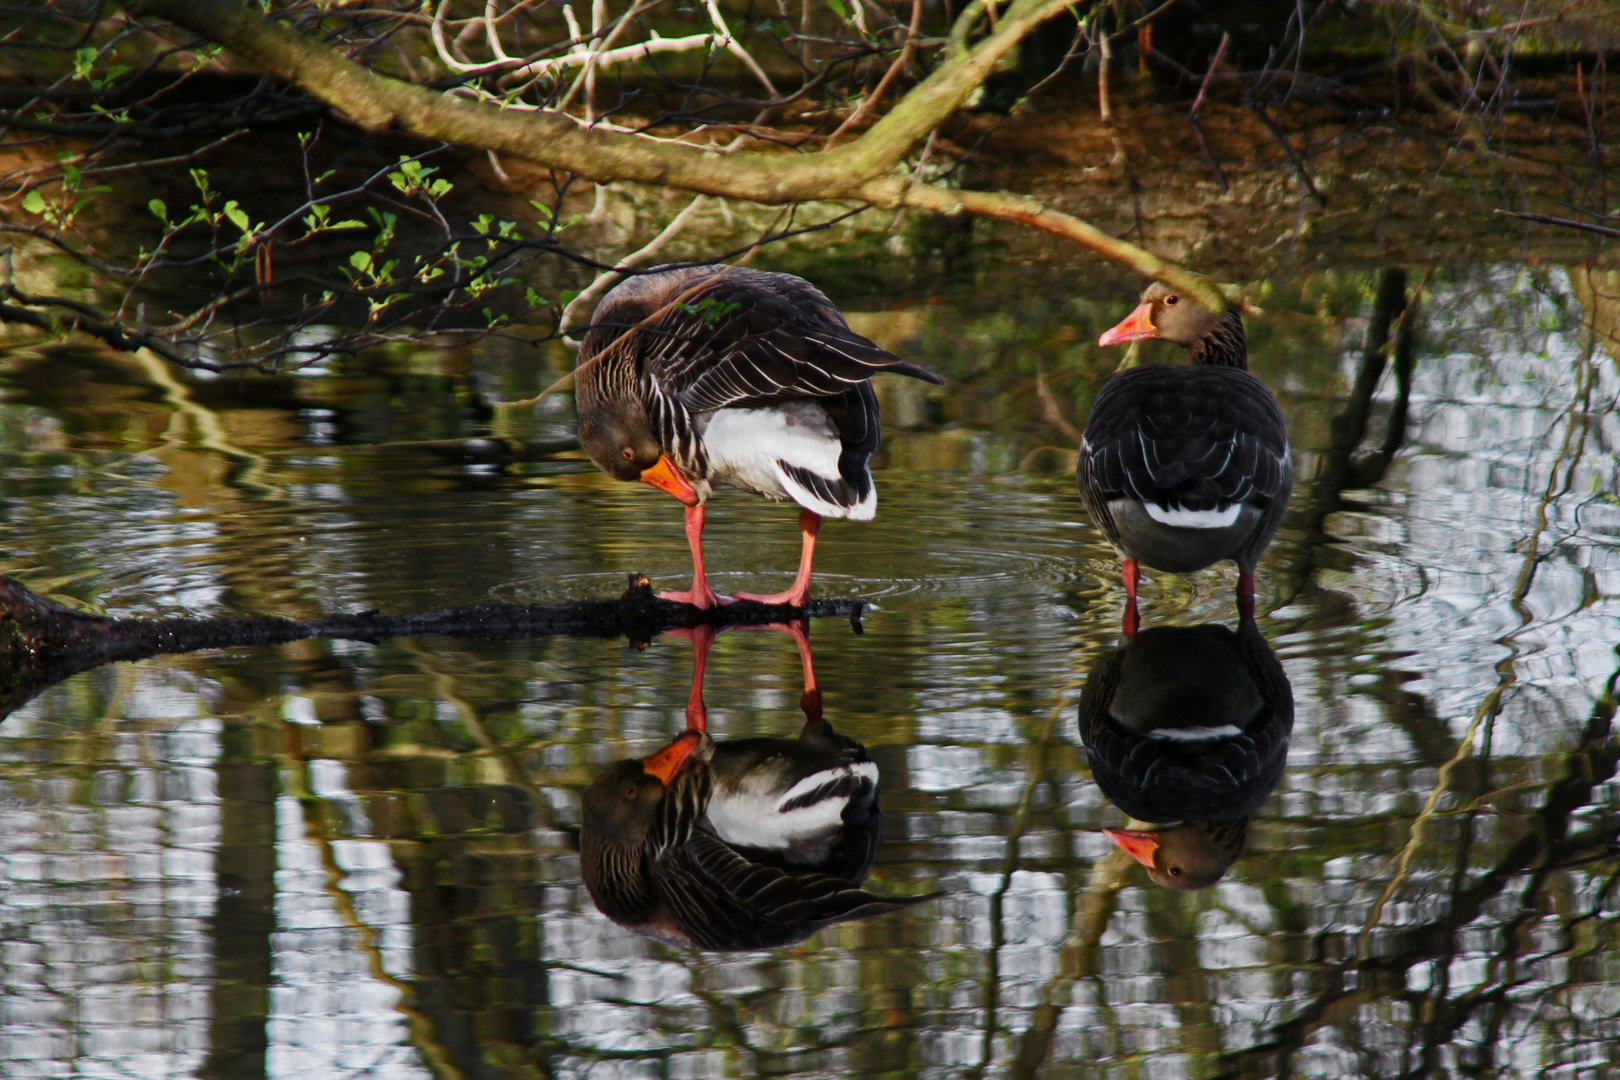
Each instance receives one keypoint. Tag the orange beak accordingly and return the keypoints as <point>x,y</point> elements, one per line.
<point>668,761</point>
<point>1136,326</point>
<point>664,477</point>
<point>1135,843</point>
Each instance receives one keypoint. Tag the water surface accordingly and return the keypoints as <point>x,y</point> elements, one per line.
<point>338,858</point>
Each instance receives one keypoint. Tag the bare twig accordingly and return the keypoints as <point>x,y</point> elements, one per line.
<point>1203,87</point>
<point>899,65</point>
<point>1198,103</point>
<point>1584,226</point>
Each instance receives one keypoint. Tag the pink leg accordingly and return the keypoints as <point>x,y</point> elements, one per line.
<point>810,525</point>
<point>1130,573</point>
<point>697,717</point>
<point>1245,595</point>
<point>799,631</point>
<point>810,700</point>
<point>700,596</point>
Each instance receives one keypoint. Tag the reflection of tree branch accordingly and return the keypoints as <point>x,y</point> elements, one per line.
<point>1542,850</point>
<point>1543,847</point>
<point>1079,957</point>
<point>1491,706</point>
<point>423,1036</point>
<point>1336,470</point>
<point>1092,913</point>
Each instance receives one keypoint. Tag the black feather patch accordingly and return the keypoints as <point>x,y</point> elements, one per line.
<point>837,492</point>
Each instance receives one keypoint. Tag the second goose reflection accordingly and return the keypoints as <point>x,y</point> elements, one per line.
<point>1187,726</point>
<point>744,844</point>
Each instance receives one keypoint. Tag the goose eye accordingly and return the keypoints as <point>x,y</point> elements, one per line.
<point>1175,871</point>
<point>628,454</point>
<point>1171,301</point>
<point>630,793</point>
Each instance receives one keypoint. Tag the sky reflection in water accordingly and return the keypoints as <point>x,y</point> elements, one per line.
<point>336,858</point>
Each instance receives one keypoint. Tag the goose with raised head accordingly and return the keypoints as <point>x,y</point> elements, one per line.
<point>692,378</point>
<point>1182,466</point>
<point>1187,727</point>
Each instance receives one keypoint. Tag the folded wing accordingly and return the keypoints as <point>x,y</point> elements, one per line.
<point>735,336</point>
<point>1193,439</point>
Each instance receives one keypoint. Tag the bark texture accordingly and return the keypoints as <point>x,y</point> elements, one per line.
<point>867,170</point>
<point>42,643</point>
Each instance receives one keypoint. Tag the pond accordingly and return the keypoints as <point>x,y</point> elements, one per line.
<point>334,858</point>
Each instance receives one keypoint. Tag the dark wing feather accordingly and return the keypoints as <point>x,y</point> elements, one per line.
<point>724,901</point>
<point>1218,779</point>
<point>739,336</point>
<point>1195,437</point>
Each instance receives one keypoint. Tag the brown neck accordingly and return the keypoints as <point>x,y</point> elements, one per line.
<point>616,877</point>
<point>1224,346</point>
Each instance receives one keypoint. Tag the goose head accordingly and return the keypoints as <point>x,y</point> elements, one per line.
<point>1186,856</point>
<point>619,811</point>
<point>1166,315</point>
<point>618,436</point>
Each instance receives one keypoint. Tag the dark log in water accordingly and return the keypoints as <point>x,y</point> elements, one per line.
<point>42,643</point>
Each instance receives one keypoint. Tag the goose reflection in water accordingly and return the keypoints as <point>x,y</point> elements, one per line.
<point>742,844</point>
<point>1187,727</point>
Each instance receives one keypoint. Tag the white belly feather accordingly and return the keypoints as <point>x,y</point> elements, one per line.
<point>1182,518</point>
<point>746,448</point>
<point>756,814</point>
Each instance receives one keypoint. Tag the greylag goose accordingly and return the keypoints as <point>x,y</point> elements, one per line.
<point>1183,466</point>
<point>1187,725</point>
<point>696,377</point>
<point>805,803</point>
<point>743,844</point>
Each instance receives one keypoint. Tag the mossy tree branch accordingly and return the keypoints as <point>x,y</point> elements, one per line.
<point>864,170</point>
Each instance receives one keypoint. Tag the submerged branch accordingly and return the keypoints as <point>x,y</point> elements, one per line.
<point>42,643</point>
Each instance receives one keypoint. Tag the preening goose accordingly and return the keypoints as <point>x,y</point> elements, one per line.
<point>697,377</point>
<point>1183,466</point>
<point>805,803</point>
<point>742,844</point>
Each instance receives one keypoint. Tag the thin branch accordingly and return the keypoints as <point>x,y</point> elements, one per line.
<point>1601,230</point>
<point>899,65</point>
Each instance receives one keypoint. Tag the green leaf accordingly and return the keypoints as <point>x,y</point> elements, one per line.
<point>159,210</point>
<point>360,260</point>
<point>34,202</point>
<point>710,310</point>
<point>839,9</point>
<point>237,215</point>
